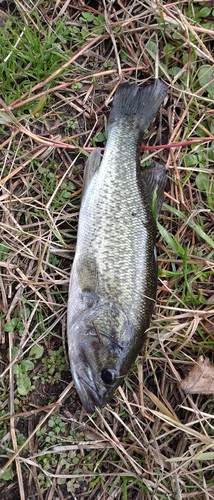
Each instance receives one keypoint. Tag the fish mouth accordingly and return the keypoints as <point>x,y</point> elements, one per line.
<point>89,393</point>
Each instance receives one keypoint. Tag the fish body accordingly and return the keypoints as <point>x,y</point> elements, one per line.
<point>114,274</point>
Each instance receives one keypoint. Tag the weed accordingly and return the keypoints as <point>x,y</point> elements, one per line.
<point>54,364</point>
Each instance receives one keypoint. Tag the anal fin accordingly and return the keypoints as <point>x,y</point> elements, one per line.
<point>91,166</point>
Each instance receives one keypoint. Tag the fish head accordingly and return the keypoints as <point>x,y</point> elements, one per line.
<point>98,350</point>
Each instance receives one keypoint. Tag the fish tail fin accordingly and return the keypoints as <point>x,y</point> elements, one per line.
<point>137,105</point>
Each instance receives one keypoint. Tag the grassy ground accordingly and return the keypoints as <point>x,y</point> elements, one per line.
<point>60,64</point>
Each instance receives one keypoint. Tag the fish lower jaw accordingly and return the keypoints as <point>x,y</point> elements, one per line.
<point>88,394</point>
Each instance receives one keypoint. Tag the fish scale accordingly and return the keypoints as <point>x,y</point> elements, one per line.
<point>116,196</point>
<point>114,274</point>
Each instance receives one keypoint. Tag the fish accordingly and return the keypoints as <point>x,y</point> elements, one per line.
<point>113,280</point>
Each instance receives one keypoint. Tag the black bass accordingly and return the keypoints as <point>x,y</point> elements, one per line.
<point>114,274</point>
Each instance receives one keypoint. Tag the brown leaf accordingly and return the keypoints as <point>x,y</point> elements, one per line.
<point>200,379</point>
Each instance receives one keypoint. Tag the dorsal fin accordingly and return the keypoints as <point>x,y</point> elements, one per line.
<point>153,180</point>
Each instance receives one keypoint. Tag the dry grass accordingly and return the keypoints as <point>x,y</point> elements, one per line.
<point>153,441</point>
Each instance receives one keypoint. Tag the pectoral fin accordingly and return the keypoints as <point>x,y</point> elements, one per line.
<point>87,273</point>
<point>91,166</point>
<point>153,180</point>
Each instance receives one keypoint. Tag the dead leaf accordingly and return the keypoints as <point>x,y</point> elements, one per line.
<point>200,379</point>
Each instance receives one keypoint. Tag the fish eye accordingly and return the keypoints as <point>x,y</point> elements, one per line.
<point>108,376</point>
